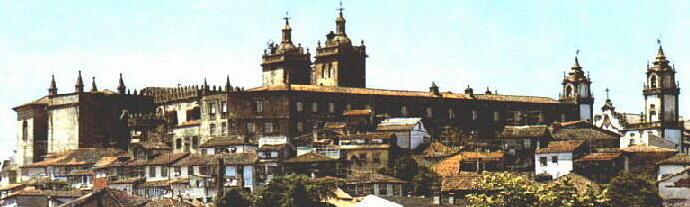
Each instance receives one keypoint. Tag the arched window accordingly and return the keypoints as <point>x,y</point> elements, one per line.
<point>652,81</point>
<point>25,130</point>
<point>569,91</point>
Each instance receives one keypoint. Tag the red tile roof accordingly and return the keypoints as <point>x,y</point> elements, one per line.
<point>599,157</point>
<point>384,92</point>
<point>644,148</point>
<point>310,157</point>
<point>167,159</point>
<point>437,149</point>
<point>360,112</point>
<point>561,146</point>
<point>451,165</point>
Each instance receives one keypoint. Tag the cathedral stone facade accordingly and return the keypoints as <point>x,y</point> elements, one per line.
<point>296,97</point>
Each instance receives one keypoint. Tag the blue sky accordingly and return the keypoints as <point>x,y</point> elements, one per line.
<point>515,47</point>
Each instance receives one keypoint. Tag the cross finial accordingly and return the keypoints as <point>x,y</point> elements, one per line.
<point>607,93</point>
<point>286,18</point>
<point>341,7</point>
<point>658,41</point>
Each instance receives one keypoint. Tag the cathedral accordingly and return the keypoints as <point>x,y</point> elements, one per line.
<point>298,95</point>
<point>659,124</point>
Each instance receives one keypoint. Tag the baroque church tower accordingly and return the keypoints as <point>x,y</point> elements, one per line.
<point>576,89</point>
<point>338,62</point>
<point>661,92</point>
<point>286,63</point>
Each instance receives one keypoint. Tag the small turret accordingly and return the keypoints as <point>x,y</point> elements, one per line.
<point>53,87</point>
<point>79,87</point>
<point>228,87</point>
<point>121,88</point>
<point>93,84</point>
<point>469,90</point>
<point>434,89</point>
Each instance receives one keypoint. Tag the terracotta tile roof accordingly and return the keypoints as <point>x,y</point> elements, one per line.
<point>224,142</point>
<point>571,123</point>
<point>129,180</point>
<point>76,172</point>
<point>189,124</point>
<point>644,148</point>
<point>364,146</point>
<point>113,197</point>
<point>561,146</point>
<point>383,92</point>
<point>334,125</point>
<point>583,133</point>
<point>437,149</point>
<point>310,157</point>
<point>530,131</point>
<point>105,161</point>
<point>12,186</point>
<point>167,202</point>
<point>81,156</point>
<point>167,159</point>
<point>41,101</point>
<point>600,157</point>
<point>165,183</point>
<point>678,159</point>
<point>375,135</point>
<point>361,177</point>
<point>245,158</point>
<point>451,165</point>
<point>149,144</point>
<point>360,112</point>
<point>197,160</point>
<point>52,193</point>
<point>460,181</point>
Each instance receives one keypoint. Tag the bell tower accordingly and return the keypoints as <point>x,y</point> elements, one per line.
<point>338,62</point>
<point>661,91</point>
<point>576,89</point>
<point>286,63</point>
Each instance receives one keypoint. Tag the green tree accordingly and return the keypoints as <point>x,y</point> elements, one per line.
<point>506,189</point>
<point>232,197</point>
<point>628,189</point>
<point>296,190</point>
<point>425,182</point>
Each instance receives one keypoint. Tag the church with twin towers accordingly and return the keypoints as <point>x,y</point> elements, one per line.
<point>300,94</point>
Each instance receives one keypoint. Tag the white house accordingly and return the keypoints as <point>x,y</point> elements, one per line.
<point>557,159</point>
<point>219,145</point>
<point>672,165</point>
<point>675,188</point>
<point>410,132</point>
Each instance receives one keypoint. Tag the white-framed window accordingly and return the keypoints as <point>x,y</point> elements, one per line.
<point>258,106</point>
<point>331,107</point>
<point>212,108</point>
<point>543,161</point>
<point>554,159</point>
<point>429,112</point>
<point>268,127</point>
<point>274,154</point>
<point>300,126</point>
<point>224,107</point>
<point>212,129</point>
<point>251,128</point>
<point>314,107</point>
<point>224,128</point>
<point>299,107</point>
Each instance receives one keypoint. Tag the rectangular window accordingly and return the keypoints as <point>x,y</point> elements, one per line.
<point>543,161</point>
<point>429,112</point>
<point>250,127</point>
<point>475,115</point>
<point>224,128</point>
<point>314,107</point>
<point>177,171</point>
<point>190,170</point>
<point>152,171</point>
<point>178,144</point>
<point>300,126</point>
<point>554,159</point>
<point>299,107</point>
<point>268,127</point>
<point>403,110</point>
<point>348,107</point>
<point>451,114</point>
<point>195,142</point>
<point>224,107</point>
<point>164,171</point>
<point>331,107</point>
<point>383,189</point>
<point>212,129</point>
<point>274,154</point>
<point>497,116</point>
<point>258,106</point>
<point>212,108</point>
